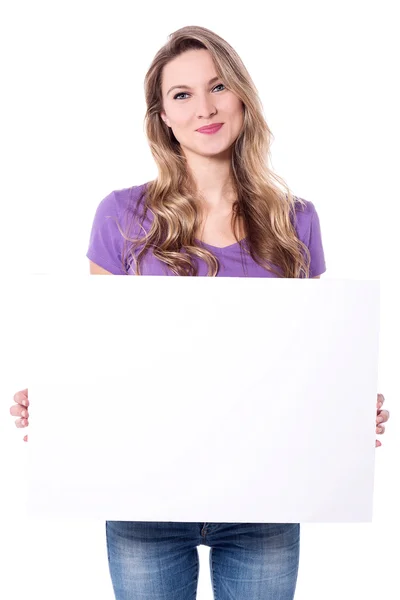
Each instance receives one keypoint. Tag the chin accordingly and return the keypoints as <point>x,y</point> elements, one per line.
<point>214,154</point>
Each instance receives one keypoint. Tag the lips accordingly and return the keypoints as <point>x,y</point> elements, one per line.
<point>213,127</point>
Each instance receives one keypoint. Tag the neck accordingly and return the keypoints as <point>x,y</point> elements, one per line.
<point>213,180</point>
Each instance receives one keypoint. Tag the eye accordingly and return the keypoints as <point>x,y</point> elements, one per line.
<point>176,97</point>
<point>181,94</point>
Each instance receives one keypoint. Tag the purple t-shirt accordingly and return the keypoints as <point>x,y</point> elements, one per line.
<point>106,242</point>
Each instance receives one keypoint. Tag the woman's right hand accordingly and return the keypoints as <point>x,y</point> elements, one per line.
<point>20,409</point>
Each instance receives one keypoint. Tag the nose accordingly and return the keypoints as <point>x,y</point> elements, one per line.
<point>205,107</point>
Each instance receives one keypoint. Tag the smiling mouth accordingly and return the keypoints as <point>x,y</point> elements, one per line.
<point>210,128</point>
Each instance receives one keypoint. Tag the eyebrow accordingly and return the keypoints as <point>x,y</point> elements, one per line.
<point>187,87</point>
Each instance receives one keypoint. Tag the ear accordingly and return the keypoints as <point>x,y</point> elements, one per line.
<point>165,118</point>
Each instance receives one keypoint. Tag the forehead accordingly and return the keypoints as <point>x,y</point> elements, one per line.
<point>190,68</point>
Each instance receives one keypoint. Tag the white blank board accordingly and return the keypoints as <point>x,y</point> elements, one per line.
<point>202,399</point>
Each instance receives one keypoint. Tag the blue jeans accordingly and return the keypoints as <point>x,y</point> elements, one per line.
<point>160,561</point>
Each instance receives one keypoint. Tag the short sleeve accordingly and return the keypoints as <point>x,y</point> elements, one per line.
<point>106,241</point>
<point>317,263</point>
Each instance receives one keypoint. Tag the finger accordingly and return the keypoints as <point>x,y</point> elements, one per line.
<point>25,438</point>
<point>380,429</point>
<point>21,423</point>
<point>381,398</point>
<point>19,411</point>
<point>22,397</point>
<point>377,443</point>
<point>383,416</point>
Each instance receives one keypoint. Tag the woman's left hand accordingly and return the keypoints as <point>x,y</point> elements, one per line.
<point>381,417</point>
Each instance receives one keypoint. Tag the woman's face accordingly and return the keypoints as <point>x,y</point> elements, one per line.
<point>195,102</point>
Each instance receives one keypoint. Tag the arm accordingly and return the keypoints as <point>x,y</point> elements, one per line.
<point>97,270</point>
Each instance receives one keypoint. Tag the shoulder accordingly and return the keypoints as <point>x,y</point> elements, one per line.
<point>125,206</point>
<point>306,217</point>
<point>308,230</point>
<point>112,222</point>
<point>304,210</point>
<point>125,200</point>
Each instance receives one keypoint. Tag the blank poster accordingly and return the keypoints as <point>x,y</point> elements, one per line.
<point>202,399</point>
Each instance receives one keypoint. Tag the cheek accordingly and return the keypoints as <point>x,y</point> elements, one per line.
<point>239,116</point>
<point>238,109</point>
<point>234,109</point>
<point>179,115</point>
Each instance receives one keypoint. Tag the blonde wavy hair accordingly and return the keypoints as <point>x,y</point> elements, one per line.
<point>267,211</point>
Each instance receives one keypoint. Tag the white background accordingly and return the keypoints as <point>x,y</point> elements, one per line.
<point>72,131</point>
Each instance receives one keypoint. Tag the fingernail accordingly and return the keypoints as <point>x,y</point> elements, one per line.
<point>24,413</point>
<point>24,402</point>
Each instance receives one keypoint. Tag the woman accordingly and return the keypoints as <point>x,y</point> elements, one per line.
<point>215,209</point>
